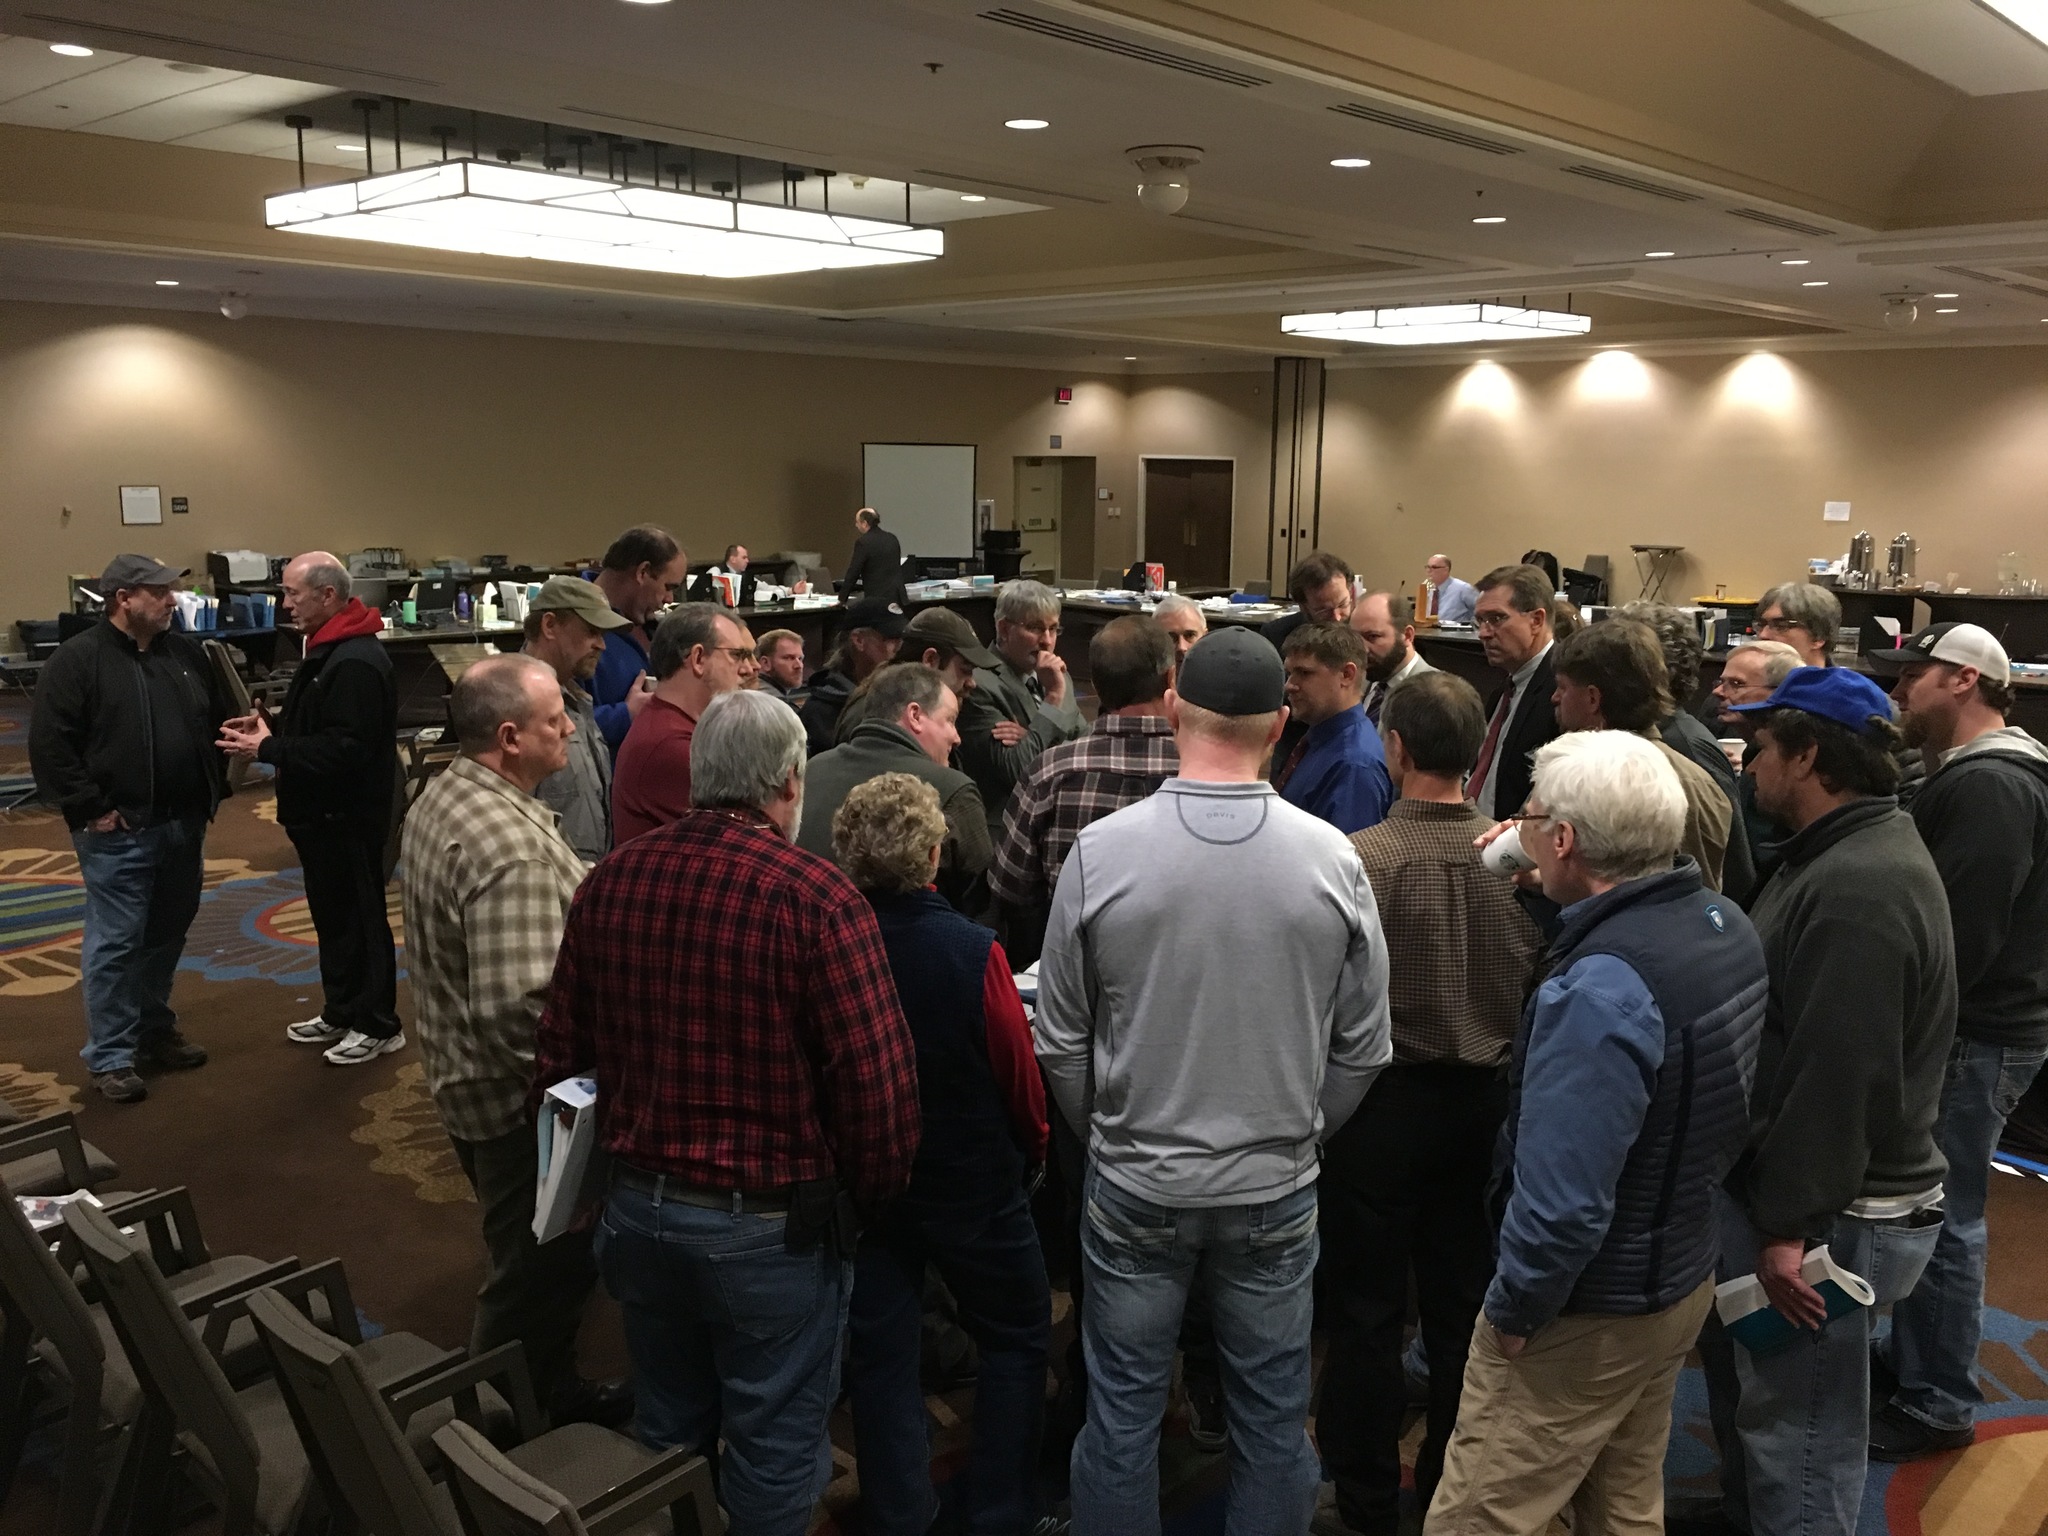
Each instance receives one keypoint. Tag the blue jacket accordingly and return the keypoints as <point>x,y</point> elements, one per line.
<point>1628,1103</point>
<point>1342,776</point>
<point>624,658</point>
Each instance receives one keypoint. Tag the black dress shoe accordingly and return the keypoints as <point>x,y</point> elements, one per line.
<point>609,1403</point>
<point>1700,1521</point>
<point>1896,1435</point>
<point>169,1052</point>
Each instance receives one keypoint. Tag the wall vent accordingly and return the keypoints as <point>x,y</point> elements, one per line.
<point>1102,42</point>
<point>1428,130</point>
<point>1779,221</point>
<point>1632,183</point>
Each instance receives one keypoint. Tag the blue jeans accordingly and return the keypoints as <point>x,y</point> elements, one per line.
<point>1259,1264</point>
<point>732,1336</point>
<point>1936,1330</point>
<point>1794,1424</point>
<point>141,892</point>
<point>988,1255</point>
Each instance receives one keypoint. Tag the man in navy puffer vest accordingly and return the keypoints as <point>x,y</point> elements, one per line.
<point>1629,1091</point>
<point>965,1212</point>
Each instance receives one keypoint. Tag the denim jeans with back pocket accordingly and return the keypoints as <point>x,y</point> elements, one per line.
<point>141,892</point>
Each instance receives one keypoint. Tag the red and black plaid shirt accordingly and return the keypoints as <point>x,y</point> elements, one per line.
<point>731,996</point>
<point>1071,786</point>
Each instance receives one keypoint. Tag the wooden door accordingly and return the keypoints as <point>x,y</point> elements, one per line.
<point>1187,519</point>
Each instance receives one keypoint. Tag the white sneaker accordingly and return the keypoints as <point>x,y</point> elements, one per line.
<point>314,1031</point>
<point>357,1048</point>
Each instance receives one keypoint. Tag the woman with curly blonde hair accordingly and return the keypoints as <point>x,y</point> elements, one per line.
<point>965,1212</point>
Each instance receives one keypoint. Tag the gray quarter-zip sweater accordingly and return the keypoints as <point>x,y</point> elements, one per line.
<point>1213,993</point>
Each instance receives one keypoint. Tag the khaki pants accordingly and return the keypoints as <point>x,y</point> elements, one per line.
<point>1582,1418</point>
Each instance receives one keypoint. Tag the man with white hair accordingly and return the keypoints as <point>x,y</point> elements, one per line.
<point>1456,600</point>
<point>1628,1090</point>
<point>1184,622</point>
<point>335,750</point>
<point>757,1095</point>
<point>1020,706</point>
<point>488,880</point>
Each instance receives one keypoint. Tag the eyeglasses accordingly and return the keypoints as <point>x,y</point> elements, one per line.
<point>739,653</point>
<point>1780,624</point>
<point>1485,621</point>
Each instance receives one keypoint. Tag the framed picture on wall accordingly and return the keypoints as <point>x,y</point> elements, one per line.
<point>141,504</point>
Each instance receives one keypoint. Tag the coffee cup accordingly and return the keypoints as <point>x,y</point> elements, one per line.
<point>1732,748</point>
<point>1505,854</point>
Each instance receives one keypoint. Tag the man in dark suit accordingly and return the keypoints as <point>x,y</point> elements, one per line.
<point>1514,630</point>
<point>875,569</point>
<point>704,589</point>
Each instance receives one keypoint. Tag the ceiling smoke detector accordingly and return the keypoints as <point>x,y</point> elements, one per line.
<point>1163,183</point>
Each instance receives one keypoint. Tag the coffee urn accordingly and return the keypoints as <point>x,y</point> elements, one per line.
<point>1862,562</point>
<point>1900,562</point>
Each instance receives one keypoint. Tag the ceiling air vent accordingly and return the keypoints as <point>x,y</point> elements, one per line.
<point>1632,183</point>
<point>1102,42</point>
<point>1428,130</point>
<point>1779,221</point>
<point>147,39</point>
<point>1973,274</point>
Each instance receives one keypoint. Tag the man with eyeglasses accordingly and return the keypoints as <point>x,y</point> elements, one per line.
<point>698,653</point>
<point>1803,616</point>
<point>1513,618</point>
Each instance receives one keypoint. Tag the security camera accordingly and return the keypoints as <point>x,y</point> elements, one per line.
<point>1901,310</point>
<point>233,306</point>
<point>1163,183</point>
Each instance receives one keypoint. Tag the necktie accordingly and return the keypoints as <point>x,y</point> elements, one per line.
<point>1293,762</point>
<point>1477,785</point>
<point>1372,704</point>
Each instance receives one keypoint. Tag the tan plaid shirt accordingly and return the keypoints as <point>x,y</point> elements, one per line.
<point>1461,953</point>
<point>487,885</point>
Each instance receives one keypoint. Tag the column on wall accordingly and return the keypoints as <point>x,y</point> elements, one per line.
<point>1295,490</point>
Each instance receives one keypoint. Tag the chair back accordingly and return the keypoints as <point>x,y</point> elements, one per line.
<point>356,1446</point>
<point>171,1365</point>
<point>35,1289</point>
<point>497,1497</point>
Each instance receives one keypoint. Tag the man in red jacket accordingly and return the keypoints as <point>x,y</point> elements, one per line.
<point>335,750</point>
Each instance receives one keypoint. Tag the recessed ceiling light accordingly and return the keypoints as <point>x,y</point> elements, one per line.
<point>167,282</point>
<point>1491,218</point>
<point>972,197</point>
<point>647,2</point>
<point>1944,295</point>
<point>1026,124</point>
<point>1948,311</point>
<point>1797,261</point>
<point>1659,255</point>
<point>1818,282</point>
<point>71,50</point>
<point>1350,163</point>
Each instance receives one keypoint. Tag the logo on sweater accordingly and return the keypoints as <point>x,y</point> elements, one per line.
<point>1714,916</point>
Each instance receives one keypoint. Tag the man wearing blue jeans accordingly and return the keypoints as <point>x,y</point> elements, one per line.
<point>1984,817</point>
<point>1842,1147</point>
<point>1203,1089</point>
<point>122,742</point>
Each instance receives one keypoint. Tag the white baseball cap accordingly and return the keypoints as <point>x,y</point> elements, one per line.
<point>1960,645</point>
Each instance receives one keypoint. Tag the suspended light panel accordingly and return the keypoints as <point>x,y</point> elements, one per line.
<point>1422,325</point>
<point>501,210</point>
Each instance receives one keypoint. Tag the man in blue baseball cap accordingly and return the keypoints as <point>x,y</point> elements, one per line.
<point>1842,1150</point>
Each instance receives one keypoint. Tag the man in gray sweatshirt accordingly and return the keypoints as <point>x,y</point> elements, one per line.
<point>1203,1048</point>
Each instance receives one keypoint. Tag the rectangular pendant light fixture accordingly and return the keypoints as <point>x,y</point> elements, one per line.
<point>502,210</point>
<point>1421,325</point>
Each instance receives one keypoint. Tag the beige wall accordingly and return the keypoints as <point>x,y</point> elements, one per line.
<point>289,433</point>
<point>1731,457</point>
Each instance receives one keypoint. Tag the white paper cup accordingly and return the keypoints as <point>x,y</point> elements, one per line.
<point>1505,854</point>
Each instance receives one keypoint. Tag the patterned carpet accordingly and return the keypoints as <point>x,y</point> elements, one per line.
<point>287,1155</point>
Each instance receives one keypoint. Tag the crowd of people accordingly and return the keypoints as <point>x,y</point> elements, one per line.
<point>1734,989</point>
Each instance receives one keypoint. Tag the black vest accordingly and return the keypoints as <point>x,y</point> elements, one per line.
<point>1704,967</point>
<point>939,960</point>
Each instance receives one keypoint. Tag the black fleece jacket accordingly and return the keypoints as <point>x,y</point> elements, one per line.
<point>1984,817</point>
<point>1857,1031</point>
<point>335,745</point>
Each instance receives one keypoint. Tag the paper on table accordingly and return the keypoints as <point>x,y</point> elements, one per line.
<point>1747,1313</point>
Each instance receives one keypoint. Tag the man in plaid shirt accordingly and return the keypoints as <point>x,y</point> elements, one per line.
<point>731,996</point>
<point>488,879</point>
<point>1128,754</point>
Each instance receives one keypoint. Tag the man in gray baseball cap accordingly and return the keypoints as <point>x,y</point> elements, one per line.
<point>121,741</point>
<point>1202,1074</point>
<point>565,627</point>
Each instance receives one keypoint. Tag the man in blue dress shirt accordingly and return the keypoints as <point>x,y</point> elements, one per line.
<point>1456,601</point>
<point>1336,770</point>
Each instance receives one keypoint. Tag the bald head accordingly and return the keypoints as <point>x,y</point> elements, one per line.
<point>316,587</point>
<point>508,716</point>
